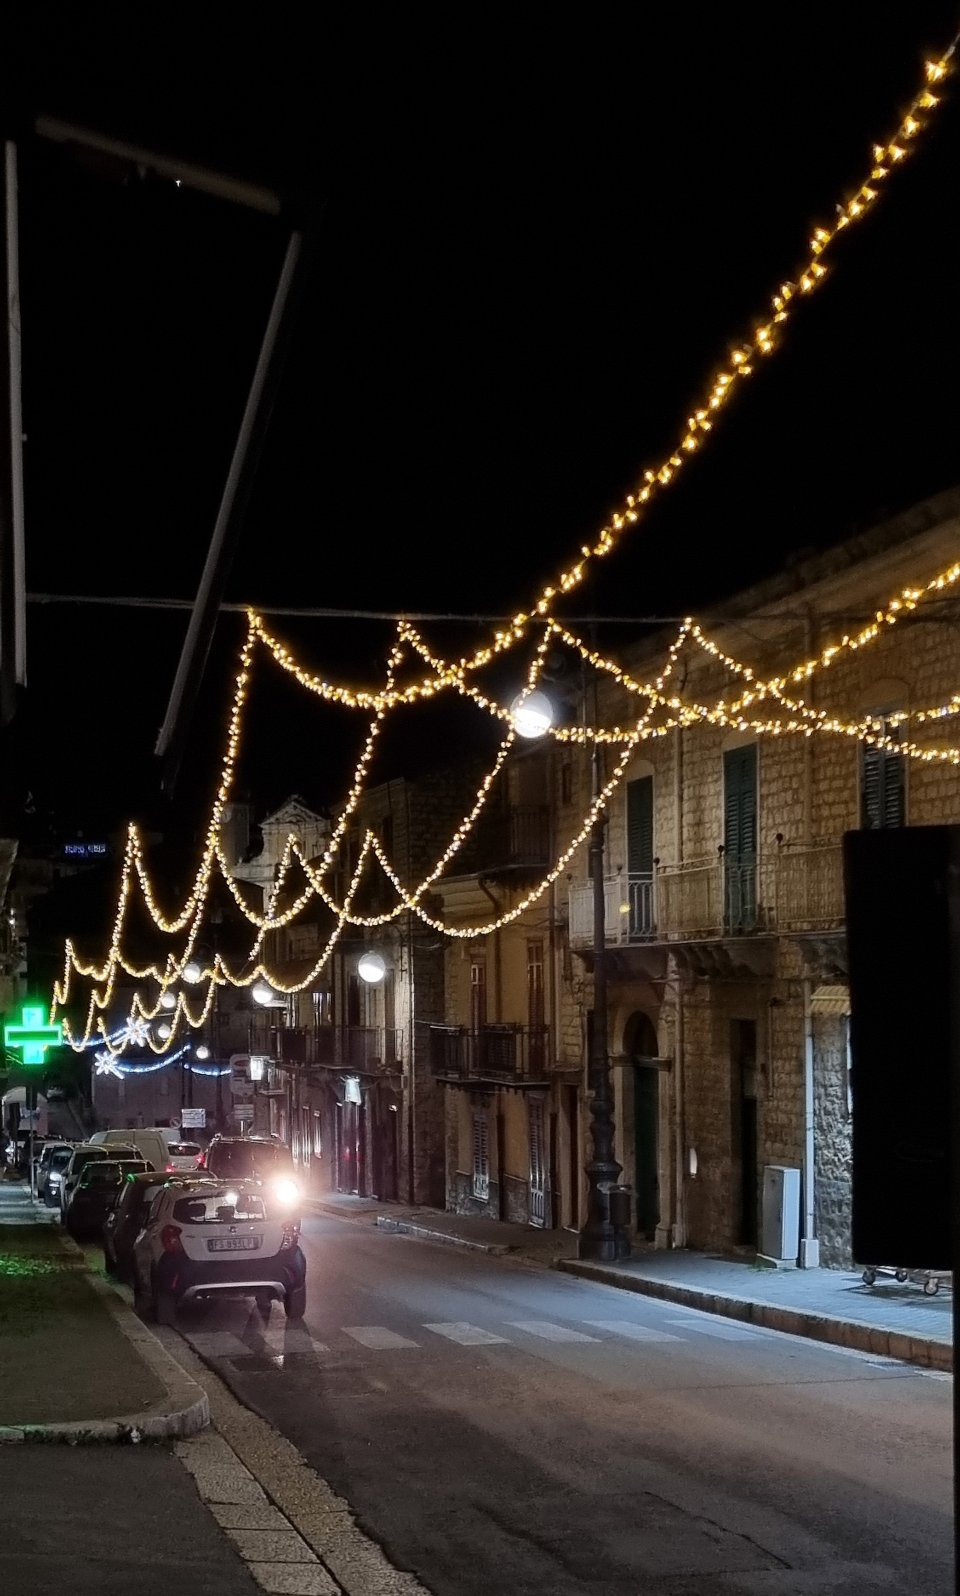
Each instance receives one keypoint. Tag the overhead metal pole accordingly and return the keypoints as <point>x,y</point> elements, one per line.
<point>236,493</point>
<point>13,611</point>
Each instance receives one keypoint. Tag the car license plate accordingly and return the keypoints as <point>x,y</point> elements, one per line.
<point>234,1244</point>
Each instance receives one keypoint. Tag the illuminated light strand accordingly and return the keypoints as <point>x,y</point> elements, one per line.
<point>762,341</point>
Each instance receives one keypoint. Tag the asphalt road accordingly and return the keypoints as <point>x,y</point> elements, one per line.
<point>505,1429</point>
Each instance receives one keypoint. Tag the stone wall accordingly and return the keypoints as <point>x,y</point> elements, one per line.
<point>832,1133</point>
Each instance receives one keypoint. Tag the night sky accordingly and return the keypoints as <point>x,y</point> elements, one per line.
<point>536,239</point>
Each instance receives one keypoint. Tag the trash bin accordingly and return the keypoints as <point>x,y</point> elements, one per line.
<point>618,1199</point>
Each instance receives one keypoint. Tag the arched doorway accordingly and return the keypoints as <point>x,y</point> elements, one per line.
<point>640,1046</point>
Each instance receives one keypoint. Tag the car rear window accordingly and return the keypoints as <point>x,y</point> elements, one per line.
<point>183,1149</point>
<point>234,1160</point>
<point>102,1173</point>
<point>214,1210</point>
<point>60,1160</point>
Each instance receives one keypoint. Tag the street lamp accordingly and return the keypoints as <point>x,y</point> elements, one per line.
<point>264,994</point>
<point>603,1236</point>
<point>164,1031</point>
<point>168,1000</point>
<point>192,973</point>
<point>371,968</point>
<point>202,1051</point>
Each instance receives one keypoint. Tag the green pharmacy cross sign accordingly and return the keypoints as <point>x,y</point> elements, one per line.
<point>33,1035</point>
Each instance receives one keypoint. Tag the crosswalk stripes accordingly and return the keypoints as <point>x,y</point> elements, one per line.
<point>467,1335</point>
<point>549,1332</point>
<point>274,1340</point>
<point>632,1331</point>
<point>377,1337</point>
<point>721,1330</point>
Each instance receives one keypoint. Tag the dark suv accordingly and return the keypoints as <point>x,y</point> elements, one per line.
<point>247,1158</point>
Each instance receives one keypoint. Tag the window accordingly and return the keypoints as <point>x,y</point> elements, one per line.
<point>740,837</point>
<point>535,983</point>
<point>480,1183</point>
<point>882,783</point>
<point>478,991</point>
<point>640,855</point>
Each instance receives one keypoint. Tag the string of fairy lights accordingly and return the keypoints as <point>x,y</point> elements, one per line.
<point>660,709</point>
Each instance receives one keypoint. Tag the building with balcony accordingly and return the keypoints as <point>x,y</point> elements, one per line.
<point>513,1092</point>
<point>724,907</point>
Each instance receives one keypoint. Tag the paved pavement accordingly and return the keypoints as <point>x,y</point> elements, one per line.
<point>893,1318</point>
<point>503,1427</point>
<point>110,1521</point>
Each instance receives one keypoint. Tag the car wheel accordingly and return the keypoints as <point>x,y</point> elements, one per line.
<point>109,1267</point>
<point>295,1303</point>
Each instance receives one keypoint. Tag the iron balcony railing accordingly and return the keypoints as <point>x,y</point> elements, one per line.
<point>368,1049</point>
<point>491,1052</point>
<point>795,888</point>
<point>517,838</point>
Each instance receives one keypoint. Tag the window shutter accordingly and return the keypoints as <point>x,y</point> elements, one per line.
<point>882,788</point>
<point>640,826</point>
<point>481,1159</point>
<point>740,802</point>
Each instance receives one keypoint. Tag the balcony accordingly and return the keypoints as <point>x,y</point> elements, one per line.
<point>799,888</point>
<point>517,838</point>
<point>363,1049</point>
<point>511,1054</point>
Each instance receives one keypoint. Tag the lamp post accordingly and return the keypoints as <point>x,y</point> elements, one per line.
<point>604,1235</point>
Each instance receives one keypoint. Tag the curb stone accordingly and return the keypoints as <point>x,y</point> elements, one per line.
<point>896,1344</point>
<point>187,1404</point>
<point>409,1227</point>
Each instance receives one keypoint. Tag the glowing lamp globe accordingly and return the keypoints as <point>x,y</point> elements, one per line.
<point>532,714</point>
<point>168,1000</point>
<point>192,972</point>
<point>371,968</point>
<point>164,1030</point>
<point>264,994</point>
<point>203,1051</point>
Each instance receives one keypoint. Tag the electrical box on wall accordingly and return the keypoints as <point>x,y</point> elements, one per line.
<point>780,1217</point>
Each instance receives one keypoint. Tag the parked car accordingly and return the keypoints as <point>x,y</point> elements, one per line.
<point>183,1157</point>
<point>150,1141</point>
<point>96,1192</point>
<point>206,1237</point>
<point>83,1155</point>
<point>45,1153</point>
<point>258,1158</point>
<point>48,1180</point>
<point>125,1220</point>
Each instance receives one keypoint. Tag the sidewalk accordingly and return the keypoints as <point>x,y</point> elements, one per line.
<point>75,1363</point>
<point>888,1319</point>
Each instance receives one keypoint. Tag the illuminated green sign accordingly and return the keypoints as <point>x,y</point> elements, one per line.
<point>33,1035</point>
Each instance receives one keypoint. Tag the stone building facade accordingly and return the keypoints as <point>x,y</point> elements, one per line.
<point>724,892</point>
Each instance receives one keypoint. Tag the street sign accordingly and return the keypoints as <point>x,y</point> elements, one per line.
<point>33,1035</point>
<point>241,1083</point>
<point>193,1119</point>
<point>243,1113</point>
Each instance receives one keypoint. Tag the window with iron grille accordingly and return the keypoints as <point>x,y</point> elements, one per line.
<point>883,795</point>
<point>480,1184</point>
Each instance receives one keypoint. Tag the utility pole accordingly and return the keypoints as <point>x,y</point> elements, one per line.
<point>13,642</point>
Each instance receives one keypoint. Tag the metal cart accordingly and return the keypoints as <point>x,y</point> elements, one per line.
<point>930,1279</point>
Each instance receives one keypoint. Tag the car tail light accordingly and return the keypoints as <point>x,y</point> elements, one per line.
<point>199,1160</point>
<point>170,1238</point>
<point>290,1236</point>
<point>170,1169</point>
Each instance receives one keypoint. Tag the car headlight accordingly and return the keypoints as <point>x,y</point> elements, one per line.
<point>286,1192</point>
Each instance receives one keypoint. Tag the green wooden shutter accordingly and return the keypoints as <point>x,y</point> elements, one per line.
<point>640,826</point>
<point>740,802</point>
<point>882,794</point>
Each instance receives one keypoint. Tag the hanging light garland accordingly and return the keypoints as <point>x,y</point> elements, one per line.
<point>445,676</point>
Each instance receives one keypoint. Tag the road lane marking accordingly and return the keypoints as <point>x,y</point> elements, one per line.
<point>550,1332</point>
<point>467,1335</point>
<point>633,1332</point>
<point>722,1332</point>
<point>377,1337</point>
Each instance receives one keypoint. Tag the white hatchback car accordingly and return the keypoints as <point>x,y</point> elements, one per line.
<point>206,1237</point>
